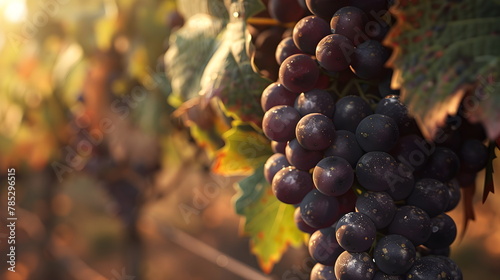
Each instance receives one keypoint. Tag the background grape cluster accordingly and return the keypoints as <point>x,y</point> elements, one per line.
<point>367,186</point>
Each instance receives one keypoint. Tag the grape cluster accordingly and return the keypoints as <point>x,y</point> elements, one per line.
<point>367,186</point>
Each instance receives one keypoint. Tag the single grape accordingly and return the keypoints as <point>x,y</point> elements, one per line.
<point>392,107</point>
<point>274,164</point>
<point>444,232</point>
<point>349,111</point>
<point>350,22</point>
<point>429,195</point>
<point>322,272</point>
<point>334,52</point>
<point>299,222</point>
<point>368,60</point>
<point>299,73</point>
<point>290,185</point>
<point>412,223</point>
<point>315,132</point>
<point>394,254</point>
<point>300,157</point>
<point>276,94</point>
<point>279,123</point>
<point>344,145</point>
<point>285,49</point>
<point>377,133</point>
<point>377,171</point>
<point>323,246</point>
<point>355,232</point>
<point>354,266</point>
<point>442,165</point>
<point>430,267</point>
<point>315,101</point>
<point>308,32</point>
<point>473,155</point>
<point>378,206</point>
<point>333,176</point>
<point>456,273</point>
<point>325,8</point>
<point>319,210</point>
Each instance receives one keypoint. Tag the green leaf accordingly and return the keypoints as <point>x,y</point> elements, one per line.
<point>191,48</point>
<point>268,222</point>
<point>444,52</point>
<point>245,149</point>
<point>229,74</point>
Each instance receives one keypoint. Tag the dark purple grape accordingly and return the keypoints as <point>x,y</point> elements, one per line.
<point>325,8</point>
<point>344,145</point>
<point>444,232</point>
<point>402,184</point>
<point>279,123</point>
<point>285,10</point>
<point>347,202</point>
<point>278,147</point>
<point>368,60</point>
<point>299,222</point>
<point>392,107</point>
<point>354,266</point>
<point>454,194</point>
<point>430,267</point>
<point>413,151</point>
<point>456,273</point>
<point>322,272</point>
<point>323,246</point>
<point>315,132</point>
<point>274,164</point>
<point>319,210</point>
<point>394,254</point>
<point>377,171</point>
<point>355,232</point>
<point>350,22</point>
<point>377,133</point>
<point>308,32</point>
<point>379,275</point>
<point>349,111</point>
<point>290,185</point>
<point>302,3</point>
<point>276,94</point>
<point>300,157</point>
<point>315,101</point>
<point>473,155</point>
<point>429,195</point>
<point>299,73</point>
<point>442,165</point>
<point>334,52</point>
<point>333,176</point>
<point>412,223</point>
<point>285,49</point>
<point>378,206</point>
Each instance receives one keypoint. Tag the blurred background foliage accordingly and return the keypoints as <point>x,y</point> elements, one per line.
<point>109,185</point>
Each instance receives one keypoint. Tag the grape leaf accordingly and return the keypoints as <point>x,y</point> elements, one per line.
<point>229,74</point>
<point>445,51</point>
<point>268,222</point>
<point>191,48</point>
<point>244,150</point>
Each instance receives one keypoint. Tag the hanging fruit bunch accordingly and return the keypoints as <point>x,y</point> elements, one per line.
<point>372,171</point>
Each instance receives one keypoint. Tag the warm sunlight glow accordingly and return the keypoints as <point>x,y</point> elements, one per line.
<point>13,10</point>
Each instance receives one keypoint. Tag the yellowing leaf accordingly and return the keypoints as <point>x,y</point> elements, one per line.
<point>268,222</point>
<point>245,149</point>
